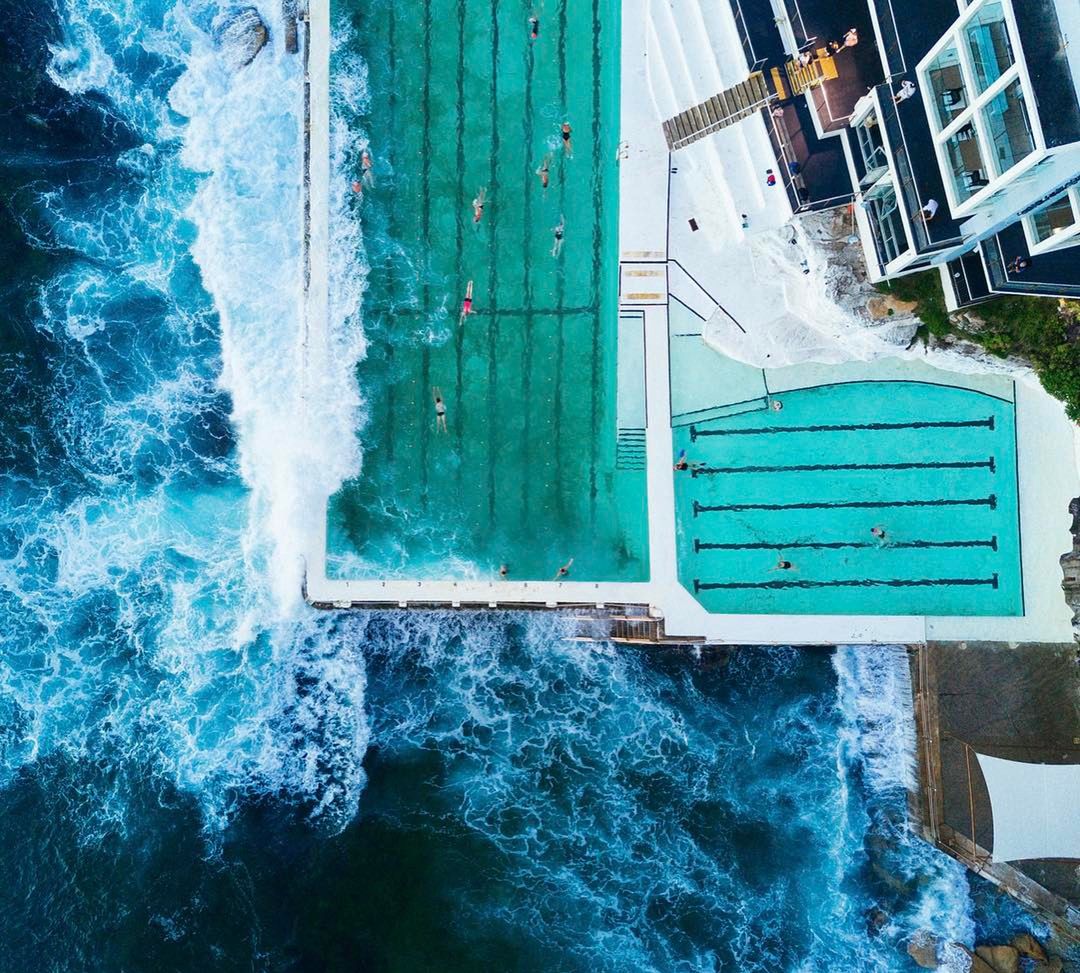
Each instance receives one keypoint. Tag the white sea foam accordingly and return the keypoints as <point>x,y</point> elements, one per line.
<point>158,609</point>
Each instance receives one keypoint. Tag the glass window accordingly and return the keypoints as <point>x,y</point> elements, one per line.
<point>886,223</point>
<point>947,85</point>
<point>1053,218</point>
<point>1009,127</point>
<point>871,148</point>
<point>988,40</point>
<point>966,163</point>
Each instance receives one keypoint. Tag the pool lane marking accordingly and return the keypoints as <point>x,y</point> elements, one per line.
<point>560,278</point>
<point>425,356</point>
<point>991,582</point>
<point>986,464</point>
<point>390,384</point>
<point>599,179</point>
<point>509,312</point>
<point>459,336</point>
<point>528,311</point>
<point>493,327</point>
<point>990,501</point>
<point>700,545</point>
<point>849,427</point>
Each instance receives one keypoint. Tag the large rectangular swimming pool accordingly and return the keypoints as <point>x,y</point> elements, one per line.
<point>531,470</point>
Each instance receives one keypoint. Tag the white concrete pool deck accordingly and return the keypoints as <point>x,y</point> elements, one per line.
<point>715,182</point>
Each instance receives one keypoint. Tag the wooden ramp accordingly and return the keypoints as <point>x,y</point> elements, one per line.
<point>736,103</point>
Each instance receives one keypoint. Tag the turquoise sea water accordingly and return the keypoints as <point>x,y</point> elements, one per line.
<point>196,772</point>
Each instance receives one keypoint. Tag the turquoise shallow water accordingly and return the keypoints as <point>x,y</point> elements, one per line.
<point>934,467</point>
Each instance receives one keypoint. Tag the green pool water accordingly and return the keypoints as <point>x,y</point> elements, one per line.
<point>531,470</point>
<point>933,466</point>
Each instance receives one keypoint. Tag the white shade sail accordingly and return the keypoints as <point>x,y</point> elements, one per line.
<point>1036,808</point>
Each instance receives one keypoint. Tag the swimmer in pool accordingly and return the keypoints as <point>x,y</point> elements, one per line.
<point>503,571</point>
<point>466,305</point>
<point>564,570</point>
<point>478,205</point>
<point>534,27</point>
<point>782,565</point>
<point>567,147</point>
<point>879,533</point>
<point>440,409</point>
<point>544,172</point>
<point>560,232</point>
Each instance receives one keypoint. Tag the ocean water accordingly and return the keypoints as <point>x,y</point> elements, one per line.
<point>197,772</point>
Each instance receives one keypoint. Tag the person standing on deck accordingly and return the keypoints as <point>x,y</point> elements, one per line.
<point>466,305</point>
<point>568,149</point>
<point>440,410</point>
<point>478,205</point>
<point>544,172</point>
<point>560,232</point>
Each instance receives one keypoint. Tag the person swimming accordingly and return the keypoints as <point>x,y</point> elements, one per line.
<point>466,304</point>
<point>564,570</point>
<point>560,233</point>
<point>440,409</point>
<point>534,27</point>
<point>566,131</point>
<point>478,205</point>
<point>367,166</point>
<point>544,172</point>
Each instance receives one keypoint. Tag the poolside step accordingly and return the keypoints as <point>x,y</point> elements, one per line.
<point>630,449</point>
<point>721,110</point>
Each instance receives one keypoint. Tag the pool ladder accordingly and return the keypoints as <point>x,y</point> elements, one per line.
<point>630,449</point>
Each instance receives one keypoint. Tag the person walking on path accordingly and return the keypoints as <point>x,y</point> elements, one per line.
<point>568,149</point>
<point>440,409</point>
<point>560,232</point>
<point>1019,265</point>
<point>564,570</point>
<point>466,305</point>
<point>907,89</point>
<point>478,205</point>
<point>544,172</point>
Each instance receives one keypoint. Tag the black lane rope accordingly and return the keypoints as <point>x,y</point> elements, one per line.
<point>594,287</point>
<point>390,397</point>
<point>700,545</point>
<point>530,320</point>
<point>991,582</point>
<point>425,367</point>
<point>493,329</point>
<point>990,501</point>
<point>986,464</point>
<point>459,337</point>
<point>848,427</point>
<point>560,278</point>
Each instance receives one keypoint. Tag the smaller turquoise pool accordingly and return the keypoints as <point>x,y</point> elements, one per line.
<point>784,511</point>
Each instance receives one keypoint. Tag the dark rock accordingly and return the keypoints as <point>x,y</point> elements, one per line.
<point>1003,959</point>
<point>978,964</point>
<point>1028,945</point>
<point>876,920</point>
<point>241,36</point>
<point>1053,965</point>
<point>923,949</point>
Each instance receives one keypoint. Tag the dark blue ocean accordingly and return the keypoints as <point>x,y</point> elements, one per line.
<point>199,773</point>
